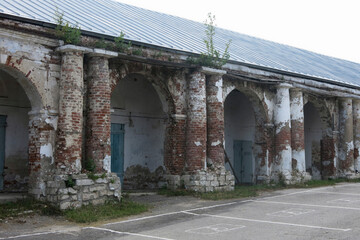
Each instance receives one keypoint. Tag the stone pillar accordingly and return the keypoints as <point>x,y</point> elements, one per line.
<point>42,133</point>
<point>196,122</point>
<point>356,116</point>
<point>215,119</point>
<point>69,137</point>
<point>346,137</point>
<point>282,132</point>
<point>98,116</point>
<point>297,130</point>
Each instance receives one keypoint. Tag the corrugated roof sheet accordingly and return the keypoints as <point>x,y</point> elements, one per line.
<point>110,18</point>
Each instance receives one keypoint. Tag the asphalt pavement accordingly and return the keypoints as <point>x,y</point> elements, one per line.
<point>319,213</point>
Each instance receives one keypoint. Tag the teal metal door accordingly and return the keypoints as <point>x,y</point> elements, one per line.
<point>117,150</point>
<point>2,149</point>
<point>243,162</point>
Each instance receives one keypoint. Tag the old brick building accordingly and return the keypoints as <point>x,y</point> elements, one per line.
<point>146,118</point>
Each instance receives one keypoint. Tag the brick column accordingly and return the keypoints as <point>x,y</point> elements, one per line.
<point>98,116</point>
<point>175,144</point>
<point>356,116</point>
<point>69,136</point>
<point>297,130</point>
<point>283,132</point>
<point>196,122</point>
<point>215,119</point>
<point>346,137</point>
<point>42,133</point>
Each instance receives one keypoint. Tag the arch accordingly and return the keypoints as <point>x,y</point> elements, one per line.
<point>19,98</point>
<point>145,118</point>
<point>319,142</point>
<point>28,86</point>
<point>252,110</point>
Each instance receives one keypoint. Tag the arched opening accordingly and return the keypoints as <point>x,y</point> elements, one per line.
<point>245,142</point>
<point>313,138</point>
<point>138,123</point>
<point>14,134</point>
<point>319,141</point>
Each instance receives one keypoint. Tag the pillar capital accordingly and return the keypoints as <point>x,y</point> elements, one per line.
<point>72,48</point>
<point>96,52</point>
<point>212,71</point>
<point>284,85</point>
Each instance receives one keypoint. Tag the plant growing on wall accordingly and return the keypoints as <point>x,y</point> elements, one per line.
<point>212,57</point>
<point>120,44</point>
<point>64,30</point>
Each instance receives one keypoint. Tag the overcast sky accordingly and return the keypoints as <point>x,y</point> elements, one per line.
<point>329,27</point>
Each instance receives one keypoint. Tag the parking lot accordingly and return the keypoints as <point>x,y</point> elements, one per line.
<point>321,213</point>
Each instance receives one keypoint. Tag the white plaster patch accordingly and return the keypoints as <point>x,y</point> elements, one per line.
<point>107,163</point>
<point>215,143</point>
<point>285,159</point>
<point>52,122</point>
<point>299,155</point>
<point>78,164</point>
<point>219,85</point>
<point>297,112</point>
<point>197,143</point>
<point>350,146</point>
<point>47,151</point>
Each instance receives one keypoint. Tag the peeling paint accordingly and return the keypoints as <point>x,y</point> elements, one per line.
<point>198,143</point>
<point>52,122</point>
<point>219,85</point>
<point>47,151</point>
<point>107,163</point>
<point>216,143</point>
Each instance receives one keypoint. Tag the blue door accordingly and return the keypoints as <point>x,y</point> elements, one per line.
<point>2,149</point>
<point>117,150</point>
<point>243,162</point>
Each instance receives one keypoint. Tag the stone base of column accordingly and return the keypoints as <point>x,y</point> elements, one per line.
<point>73,191</point>
<point>348,175</point>
<point>203,181</point>
<point>262,179</point>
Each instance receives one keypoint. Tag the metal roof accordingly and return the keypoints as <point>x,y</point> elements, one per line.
<point>108,17</point>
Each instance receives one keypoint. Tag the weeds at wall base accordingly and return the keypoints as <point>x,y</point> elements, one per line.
<point>84,214</point>
<point>246,191</point>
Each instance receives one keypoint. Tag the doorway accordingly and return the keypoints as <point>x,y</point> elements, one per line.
<point>243,161</point>
<point>117,150</point>
<point>2,150</point>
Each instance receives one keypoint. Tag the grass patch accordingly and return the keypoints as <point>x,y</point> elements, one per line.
<point>109,210</point>
<point>26,206</point>
<point>245,191</point>
<point>85,214</point>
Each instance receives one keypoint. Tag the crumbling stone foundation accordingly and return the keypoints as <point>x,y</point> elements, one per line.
<point>74,191</point>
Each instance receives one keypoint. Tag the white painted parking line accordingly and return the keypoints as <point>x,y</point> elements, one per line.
<point>290,212</point>
<point>308,205</point>
<point>339,193</point>
<point>178,212</point>
<point>128,233</point>
<point>32,234</point>
<point>289,194</point>
<point>278,223</point>
<point>344,200</point>
<point>214,229</point>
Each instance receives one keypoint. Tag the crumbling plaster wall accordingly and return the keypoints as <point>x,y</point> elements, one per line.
<point>15,105</point>
<point>136,104</point>
<point>239,124</point>
<point>32,62</point>
<point>262,100</point>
